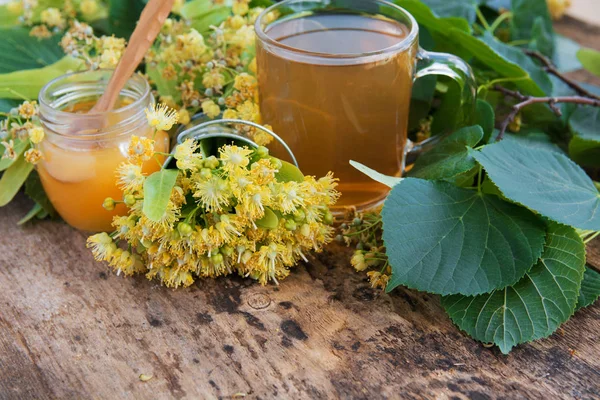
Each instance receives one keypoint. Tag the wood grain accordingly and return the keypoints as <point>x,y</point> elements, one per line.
<point>70,329</point>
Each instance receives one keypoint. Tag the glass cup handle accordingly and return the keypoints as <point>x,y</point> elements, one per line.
<point>432,63</point>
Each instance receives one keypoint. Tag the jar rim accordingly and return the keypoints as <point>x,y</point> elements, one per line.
<point>49,106</point>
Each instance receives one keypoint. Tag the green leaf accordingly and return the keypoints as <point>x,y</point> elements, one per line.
<point>525,14</point>
<point>157,191</point>
<point>565,54</point>
<point>427,18</point>
<point>28,82</point>
<point>505,60</point>
<point>214,17</point>
<point>20,147</point>
<point>590,59</point>
<point>7,18</point>
<point>544,181</point>
<point>35,191</point>
<point>269,220</point>
<point>584,147</point>
<point>533,308</point>
<point>542,39</point>
<point>12,180</point>
<point>35,210</point>
<point>486,118</point>
<point>590,288</point>
<point>261,3</point>
<point>195,8</point>
<point>8,104</point>
<point>21,51</point>
<point>387,180</point>
<point>454,8</point>
<point>447,240</point>
<point>123,16</point>
<point>450,158</point>
<point>531,138</point>
<point>288,173</point>
<point>163,86</point>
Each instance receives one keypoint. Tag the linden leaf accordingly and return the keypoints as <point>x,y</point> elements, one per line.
<point>157,192</point>
<point>584,147</point>
<point>544,181</point>
<point>387,180</point>
<point>444,239</point>
<point>288,173</point>
<point>269,220</point>
<point>486,118</point>
<point>13,178</point>
<point>450,158</point>
<point>35,210</point>
<point>590,288</point>
<point>534,307</point>
<point>590,59</point>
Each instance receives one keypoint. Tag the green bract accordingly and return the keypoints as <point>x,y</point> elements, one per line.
<point>157,191</point>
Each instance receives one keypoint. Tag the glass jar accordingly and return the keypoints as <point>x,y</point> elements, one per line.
<point>82,150</point>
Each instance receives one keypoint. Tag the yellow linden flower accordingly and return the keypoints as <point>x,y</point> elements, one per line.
<point>230,114</point>
<point>33,156</point>
<point>140,149</point>
<point>9,149</point>
<point>177,5</point>
<point>36,134</point>
<point>240,7</point>
<point>358,260</point>
<point>214,193</point>
<point>183,116</point>
<point>244,37</point>
<point>190,45</point>
<point>213,79</point>
<point>102,246</point>
<point>252,66</point>
<point>378,280</point>
<point>88,7</point>
<point>211,109</point>
<point>109,58</point>
<point>249,111</point>
<point>52,17</point>
<point>112,43</point>
<point>558,7</point>
<point>236,22</point>
<point>289,197</point>
<point>161,117</point>
<point>40,31</point>
<point>130,177</point>
<point>28,109</point>
<point>234,157</point>
<point>245,83</point>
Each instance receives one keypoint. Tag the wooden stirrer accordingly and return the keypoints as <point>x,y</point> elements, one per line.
<point>151,21</point>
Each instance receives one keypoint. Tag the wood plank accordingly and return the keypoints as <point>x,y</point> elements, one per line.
<point>69,328</point>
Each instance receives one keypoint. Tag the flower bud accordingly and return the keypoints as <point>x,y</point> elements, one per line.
<point>129,200</point>
<point>184,229</point>
<point>108,204</point>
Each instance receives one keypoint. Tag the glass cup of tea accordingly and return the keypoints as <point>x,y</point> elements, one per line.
<point>335,80</point>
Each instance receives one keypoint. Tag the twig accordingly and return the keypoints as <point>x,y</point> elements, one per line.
<point>551,68</point>
<point>525,101</point>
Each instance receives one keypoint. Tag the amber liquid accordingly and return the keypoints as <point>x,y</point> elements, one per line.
<point>331,111</point>
<point>77,180</point>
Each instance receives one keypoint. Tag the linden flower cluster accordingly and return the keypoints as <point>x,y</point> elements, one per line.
<point>226,214</point>
<point>20,133</point>
<point>211,71</point>
<point>46,21</point>
<point>364,231</point>
<point>97,52</point>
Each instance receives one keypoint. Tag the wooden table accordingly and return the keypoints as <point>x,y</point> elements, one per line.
<point>70,328</point>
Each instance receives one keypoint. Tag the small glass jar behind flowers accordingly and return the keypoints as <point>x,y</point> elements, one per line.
<point>237,211</point>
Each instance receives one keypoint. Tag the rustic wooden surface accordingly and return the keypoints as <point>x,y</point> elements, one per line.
<point>70,328</point>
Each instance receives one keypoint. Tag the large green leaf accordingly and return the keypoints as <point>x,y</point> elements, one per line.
<point>454,8</point>
<point>584,147</point>
<point>542,39</point>
<point>565,54</point>
<point>195,8</point>
<point>525,15</point>
<point>157,191</point>
<point>12,180</point>
<point>544,181</point>
<point>590,59</point>
<point>19,146</point>
<point>21,51</point>
<point>213,17</point>
<point>27,83</point>
<point>450,158</point>
<point>123,16</point>
<point>590,288</point>
<point>534,307</point>
<point>428,19</point>
<point>486,118</point>
<point>447,240</point>
<point>507,61</point>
